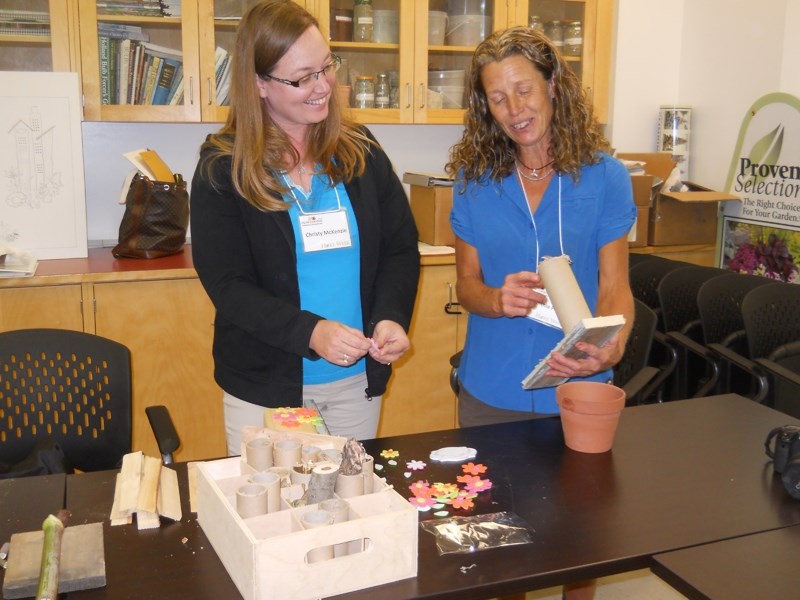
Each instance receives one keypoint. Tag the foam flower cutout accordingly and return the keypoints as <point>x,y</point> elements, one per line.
<point>389,453</point>
<point>422,503</point>
<point>444,491</point>
<point>479,485</point>
<point>463,501</point>
<point>472,469</point>
<point>420,488</point>
<point>415,465</point>
<point>466,478</point>
<point>294,417</point>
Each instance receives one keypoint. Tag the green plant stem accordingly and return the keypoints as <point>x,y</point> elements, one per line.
<point>53,528</point>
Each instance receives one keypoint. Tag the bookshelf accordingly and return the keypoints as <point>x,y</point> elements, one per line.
<point>38,35</point>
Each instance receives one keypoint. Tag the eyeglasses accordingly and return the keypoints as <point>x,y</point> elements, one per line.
<point>309,79</point>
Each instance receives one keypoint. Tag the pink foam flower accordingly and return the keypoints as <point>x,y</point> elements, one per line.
<point>420,489</point>
<point>479,485</point>
<point>473,469</point>
<point>422,502</point>
<point>415,465</point>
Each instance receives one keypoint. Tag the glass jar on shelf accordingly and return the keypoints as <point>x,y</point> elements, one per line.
<point>382,91</point>
<point>555,31</point>
<point>536,23</point>
<point>364,94</point>
<point>573,38</point>
<point>362,21</point>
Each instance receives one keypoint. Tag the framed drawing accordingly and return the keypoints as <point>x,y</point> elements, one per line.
<point>42,195</point>
<point>759,248</point>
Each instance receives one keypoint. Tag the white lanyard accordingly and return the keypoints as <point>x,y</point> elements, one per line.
<point>544,313</point>
<point>325,229</point>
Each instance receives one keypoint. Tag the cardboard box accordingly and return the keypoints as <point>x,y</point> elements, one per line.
<point>431,203</point>
<point>637,237</point>
<point>266,555</point>
<point>657,166</point>
<point>686,217</point>
<point>431,208</point>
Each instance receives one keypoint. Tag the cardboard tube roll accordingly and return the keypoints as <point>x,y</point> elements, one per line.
<point>564,292</point>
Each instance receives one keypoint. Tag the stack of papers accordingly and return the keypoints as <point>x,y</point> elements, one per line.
<point>17,263</point>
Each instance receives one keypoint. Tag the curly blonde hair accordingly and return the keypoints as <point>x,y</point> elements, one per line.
<point>485,151</point>
<point>256,145</point>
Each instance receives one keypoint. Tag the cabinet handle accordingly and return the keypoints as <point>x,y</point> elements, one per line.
<point>449,307</point>
<point>208,79</point>
<point>422,95</point>
<point>191,91</point>
<point>408,95</point>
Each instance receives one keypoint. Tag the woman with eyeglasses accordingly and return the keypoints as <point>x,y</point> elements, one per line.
<point>302,237</point>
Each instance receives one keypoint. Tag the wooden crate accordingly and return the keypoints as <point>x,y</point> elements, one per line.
<point>266,556</point>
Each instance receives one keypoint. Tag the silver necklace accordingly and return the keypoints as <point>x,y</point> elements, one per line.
<point>534,174</point>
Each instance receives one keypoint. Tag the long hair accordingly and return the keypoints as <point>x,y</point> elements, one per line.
<point>257,146</point>
<point>485,151</point>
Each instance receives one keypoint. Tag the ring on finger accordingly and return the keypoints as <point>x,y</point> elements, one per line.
<point>345,358</point>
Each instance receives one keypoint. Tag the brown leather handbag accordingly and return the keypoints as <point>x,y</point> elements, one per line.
<point>155,220</point>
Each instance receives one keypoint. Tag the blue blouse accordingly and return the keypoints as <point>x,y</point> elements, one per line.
<point>494,218</point>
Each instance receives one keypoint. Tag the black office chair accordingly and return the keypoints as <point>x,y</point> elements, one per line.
<point>772,327</point>
<point>677,294</point>
<point>74,388</point>
<point>635,373</point>
<point>719,304</point>
<point>644,277</point>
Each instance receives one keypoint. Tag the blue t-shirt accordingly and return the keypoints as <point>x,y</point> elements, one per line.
<point>330,280</point>
<point>494,218</point>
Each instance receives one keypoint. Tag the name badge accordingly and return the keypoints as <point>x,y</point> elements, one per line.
<point>325,231</point>
<point>545,313</point>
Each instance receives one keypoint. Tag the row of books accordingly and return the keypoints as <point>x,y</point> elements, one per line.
<point>223,75</point>
<point>139,8</point>
<point>139,72</point>
<point>24,22</point>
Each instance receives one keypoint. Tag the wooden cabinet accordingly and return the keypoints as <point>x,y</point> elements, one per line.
<point>593,64</point>
<point>168,327</point>
<point>159,310</point>
<point>51,306</point>
<point>419,397</point>
<point>31,46</point>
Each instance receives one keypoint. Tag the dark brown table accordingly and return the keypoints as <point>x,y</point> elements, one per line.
<point>25,502</point>
<point>174,561</point>
<point>680,474</point>
<point>762,565</point>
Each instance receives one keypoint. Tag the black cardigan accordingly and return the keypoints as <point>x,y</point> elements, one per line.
<point>247,263</point>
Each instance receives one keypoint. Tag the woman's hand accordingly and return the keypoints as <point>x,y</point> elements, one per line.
<point>517,297</point>
<point>390,342</point>
<point>598,358</point>
<point>337,343</point>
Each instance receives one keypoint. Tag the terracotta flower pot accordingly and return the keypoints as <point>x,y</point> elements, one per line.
<point>589,414</point>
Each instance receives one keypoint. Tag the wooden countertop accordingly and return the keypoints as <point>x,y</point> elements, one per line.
<point>101,266</point>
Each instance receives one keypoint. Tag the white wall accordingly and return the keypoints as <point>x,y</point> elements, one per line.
<point>727,55</point>
<point>411,148</point>
<point>718,56</point>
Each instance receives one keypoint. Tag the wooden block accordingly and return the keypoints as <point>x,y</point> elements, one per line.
<point>148,489</point>
<point>118,516</point>
<point>169,496</point>
<point>147,520</point>
<point>191,471</point>
<point>83,564</point>
<point>131,473</point>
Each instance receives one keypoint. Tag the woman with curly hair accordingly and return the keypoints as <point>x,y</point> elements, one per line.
<point>301,235</point>
<point>533,179</point>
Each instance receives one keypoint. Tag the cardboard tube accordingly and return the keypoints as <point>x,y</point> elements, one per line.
<point>564,292</point>
<point>259,453</point>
